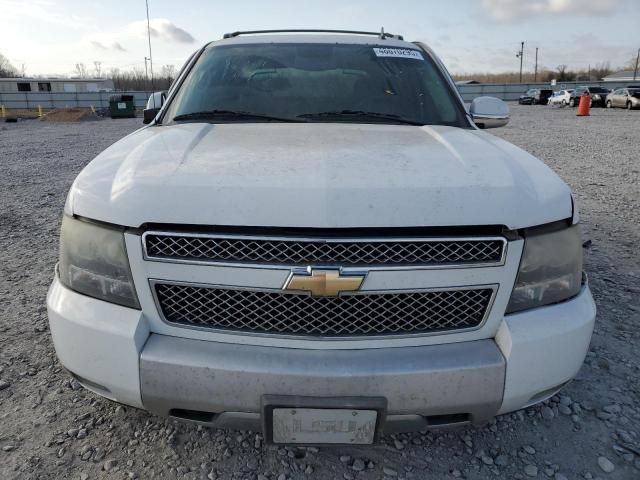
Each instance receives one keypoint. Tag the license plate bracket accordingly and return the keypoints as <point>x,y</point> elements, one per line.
<point>322,420</point>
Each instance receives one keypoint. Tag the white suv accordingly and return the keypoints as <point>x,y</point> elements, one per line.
<point>314,239</point>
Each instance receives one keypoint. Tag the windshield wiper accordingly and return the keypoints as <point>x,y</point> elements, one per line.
<point>360,115</point>
<point>231,115</point>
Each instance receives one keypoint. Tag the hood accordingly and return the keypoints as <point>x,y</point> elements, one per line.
<point>322,175</point>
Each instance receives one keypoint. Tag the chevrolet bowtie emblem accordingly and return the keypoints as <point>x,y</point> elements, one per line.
<point>323,283</point>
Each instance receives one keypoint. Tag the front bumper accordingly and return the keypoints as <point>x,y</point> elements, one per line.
<point>111,351</point>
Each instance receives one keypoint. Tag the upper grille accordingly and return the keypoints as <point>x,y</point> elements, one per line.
<point>299,314</point>
<point>292,251</point>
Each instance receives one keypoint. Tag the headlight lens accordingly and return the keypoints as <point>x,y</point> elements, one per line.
<point>550,269</point>
<point>93,261</point>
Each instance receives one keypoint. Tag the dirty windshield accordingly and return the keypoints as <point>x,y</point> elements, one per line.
<point>285,82</point>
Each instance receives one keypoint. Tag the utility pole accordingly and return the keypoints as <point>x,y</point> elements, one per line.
<point>520,55</point>
<point>153,88</point>
<point>146,74</point>
<point>635,70</point>
<point>535,72</point>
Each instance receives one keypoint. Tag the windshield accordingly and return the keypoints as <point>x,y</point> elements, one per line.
<point>316,83</point>
<point>598,90</point>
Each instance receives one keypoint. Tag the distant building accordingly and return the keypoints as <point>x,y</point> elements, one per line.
<point>622,76</point>
<point>56,85</point>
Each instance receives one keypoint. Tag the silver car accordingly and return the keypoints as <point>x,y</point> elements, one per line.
<point>627,97</point>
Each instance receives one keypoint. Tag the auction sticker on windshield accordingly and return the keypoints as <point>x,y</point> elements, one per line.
<point>398,52</point>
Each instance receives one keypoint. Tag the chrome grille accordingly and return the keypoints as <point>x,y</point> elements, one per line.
<point>362,314</point>
<point>292,251</point>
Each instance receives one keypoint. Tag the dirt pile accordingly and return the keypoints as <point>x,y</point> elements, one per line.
<point>69,115</point>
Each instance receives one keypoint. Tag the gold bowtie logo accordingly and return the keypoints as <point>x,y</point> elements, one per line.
<point>323,283</point>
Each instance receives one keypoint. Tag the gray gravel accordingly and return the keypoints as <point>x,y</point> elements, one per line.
<point>50,427</point>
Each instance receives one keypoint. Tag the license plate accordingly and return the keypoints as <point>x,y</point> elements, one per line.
<point>324,425</point>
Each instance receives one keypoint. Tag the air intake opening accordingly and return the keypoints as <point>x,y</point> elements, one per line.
<point>192,415</point>
<point>445,420</point>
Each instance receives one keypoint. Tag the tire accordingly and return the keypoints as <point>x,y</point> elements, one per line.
<point>629,106</point>
<point>609,104</point>
<point>572,102</point>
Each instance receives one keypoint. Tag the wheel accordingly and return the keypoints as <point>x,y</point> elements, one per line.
<point>629,107</point>
<point>608,103</point>
<point>572,102</point>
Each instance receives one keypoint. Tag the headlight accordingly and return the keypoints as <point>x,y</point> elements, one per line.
<point>596,97</point>
<point>93,261</point>
<point>550,269</point>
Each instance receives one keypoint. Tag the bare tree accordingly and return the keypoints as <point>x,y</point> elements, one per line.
<point>562,72</point>
<point>81,70</point>
<point>97,66</point>
<point>6,69</point>
<point>168,71</point>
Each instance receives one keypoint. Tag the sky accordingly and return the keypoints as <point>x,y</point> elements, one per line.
<point>52,36</point>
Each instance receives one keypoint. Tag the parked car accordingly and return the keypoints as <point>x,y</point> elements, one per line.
<point>561,97</point>
<point>597,94</point>
<point>535,96</point>
<point>628,98</point>
<point>313,231</point>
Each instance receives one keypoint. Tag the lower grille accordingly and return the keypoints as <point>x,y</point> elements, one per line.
<point>363,314</point>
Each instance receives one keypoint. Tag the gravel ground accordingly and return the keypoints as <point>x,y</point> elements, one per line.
<point>50,427</point>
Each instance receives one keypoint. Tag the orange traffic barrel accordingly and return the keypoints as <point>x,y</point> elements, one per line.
<point>583,107</point>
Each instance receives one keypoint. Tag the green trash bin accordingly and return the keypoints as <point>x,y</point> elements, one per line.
<point>122,106</point>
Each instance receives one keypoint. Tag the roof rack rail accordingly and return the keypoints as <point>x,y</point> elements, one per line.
<point>382,34</point>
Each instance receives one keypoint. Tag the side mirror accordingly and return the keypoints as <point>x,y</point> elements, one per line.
<point>148,114</point>
<point>155,102</point>
<point>489,112</point>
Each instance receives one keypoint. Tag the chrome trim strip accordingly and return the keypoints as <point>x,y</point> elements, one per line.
<point>494,291</point>
<point>346,268</point>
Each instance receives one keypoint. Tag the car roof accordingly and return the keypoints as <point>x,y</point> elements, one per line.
<point>314,38</point>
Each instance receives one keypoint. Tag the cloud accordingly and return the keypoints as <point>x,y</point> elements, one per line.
<point>46,11</point>
<point>101,46</point>
<point>98,45</point>
<point>161,29</point>
<point>515,10</point>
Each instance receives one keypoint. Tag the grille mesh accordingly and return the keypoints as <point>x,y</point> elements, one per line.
<point>295,252</point>
<point>299,314</point>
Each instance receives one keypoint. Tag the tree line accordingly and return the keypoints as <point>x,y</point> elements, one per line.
<point>561,73</point>
<point>140,79</point>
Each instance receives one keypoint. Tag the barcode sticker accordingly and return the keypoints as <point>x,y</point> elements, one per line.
<point>398,53</point>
